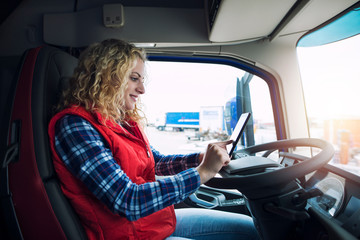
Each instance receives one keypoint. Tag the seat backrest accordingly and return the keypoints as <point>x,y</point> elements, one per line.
<point>41,208</point>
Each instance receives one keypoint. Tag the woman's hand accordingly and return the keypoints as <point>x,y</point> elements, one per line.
<point>214,159</point>
<point>201,157</point>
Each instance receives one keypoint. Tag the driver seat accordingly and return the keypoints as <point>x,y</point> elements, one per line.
<point>41,209</point>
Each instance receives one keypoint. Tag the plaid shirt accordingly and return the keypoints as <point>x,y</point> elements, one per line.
<point>86,155</point>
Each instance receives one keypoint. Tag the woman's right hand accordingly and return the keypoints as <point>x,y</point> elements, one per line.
<point>214,159</point>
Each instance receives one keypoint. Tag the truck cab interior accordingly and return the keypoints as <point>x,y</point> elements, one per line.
<point>292,64</point>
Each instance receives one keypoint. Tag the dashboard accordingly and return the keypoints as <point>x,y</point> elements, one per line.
<point>332,200</point>
<point>340,202</point>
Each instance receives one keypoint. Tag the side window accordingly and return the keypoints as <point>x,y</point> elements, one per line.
<point>189,105</point>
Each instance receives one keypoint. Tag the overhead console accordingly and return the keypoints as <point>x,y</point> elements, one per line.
<point>227,18</point>
<point>164,26</point>
<point>236,21</point>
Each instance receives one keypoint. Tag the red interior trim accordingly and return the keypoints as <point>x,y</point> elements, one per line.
<point>34,212</point>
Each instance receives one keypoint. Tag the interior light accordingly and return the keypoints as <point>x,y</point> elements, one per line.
<point>145,45</point>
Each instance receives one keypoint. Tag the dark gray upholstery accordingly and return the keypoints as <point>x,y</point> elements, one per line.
<point>52,68</point>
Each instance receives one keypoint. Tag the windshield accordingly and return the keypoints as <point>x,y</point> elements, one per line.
<point>331,83</point>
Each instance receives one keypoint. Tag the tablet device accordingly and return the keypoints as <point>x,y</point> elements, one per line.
<point>237,133</point>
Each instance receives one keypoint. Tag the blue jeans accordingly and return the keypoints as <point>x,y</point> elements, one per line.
<point>197,223</point>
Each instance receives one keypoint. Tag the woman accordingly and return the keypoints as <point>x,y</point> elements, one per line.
<point>106,165</point>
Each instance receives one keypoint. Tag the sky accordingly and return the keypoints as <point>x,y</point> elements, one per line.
<point>185,87</point>
<point>331,78</point>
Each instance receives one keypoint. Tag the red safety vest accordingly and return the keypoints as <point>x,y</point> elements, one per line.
<point>133,154</point>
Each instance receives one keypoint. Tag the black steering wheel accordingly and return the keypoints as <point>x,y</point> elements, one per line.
<point>276,176</point>
<point>272,191</point>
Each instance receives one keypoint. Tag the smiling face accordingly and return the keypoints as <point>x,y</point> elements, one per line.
<point>135,85</point>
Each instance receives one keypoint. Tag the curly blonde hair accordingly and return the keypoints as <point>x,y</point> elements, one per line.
<point>100,80</point>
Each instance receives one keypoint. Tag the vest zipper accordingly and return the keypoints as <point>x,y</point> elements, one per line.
<point>147,151</point>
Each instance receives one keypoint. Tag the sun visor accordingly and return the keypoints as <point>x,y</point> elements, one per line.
<point>344,27</point>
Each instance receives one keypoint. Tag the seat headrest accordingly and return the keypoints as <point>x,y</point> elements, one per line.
<point>53,69</point>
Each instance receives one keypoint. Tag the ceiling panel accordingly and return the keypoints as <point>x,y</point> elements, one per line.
<point>247,19</point>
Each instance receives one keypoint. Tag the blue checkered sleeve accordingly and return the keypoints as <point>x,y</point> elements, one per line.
<point>173,164</point>
<point>86,155</point>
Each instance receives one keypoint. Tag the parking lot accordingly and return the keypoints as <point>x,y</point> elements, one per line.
<point>170,142</point>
